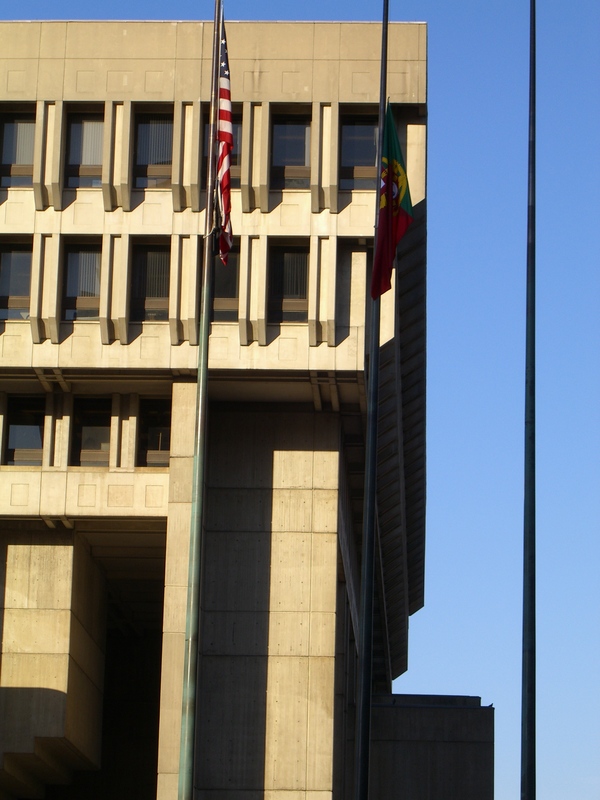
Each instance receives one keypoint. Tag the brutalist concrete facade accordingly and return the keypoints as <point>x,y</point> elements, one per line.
<point>102,205</point>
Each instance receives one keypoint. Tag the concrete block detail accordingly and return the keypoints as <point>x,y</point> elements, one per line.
<point>170,703</point>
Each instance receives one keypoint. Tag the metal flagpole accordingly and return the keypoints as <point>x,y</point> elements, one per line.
<point>188,711</point>
<point>365,637</point>
<point>528,709</point>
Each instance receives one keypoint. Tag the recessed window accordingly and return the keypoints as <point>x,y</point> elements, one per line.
<point>81,280</point>
<point>153,150</point>
<point>15,280</point>
<point>154,434</point>
<point>235,158</point>
<point>25,434</point>
<point>225,286</point>
<point>16,146</point>
<point>358,153</point>
<point>83,162</point>
<point>290,152</point>
<point>288,282</point>
<point>150,281</point>
<point>90,437</point>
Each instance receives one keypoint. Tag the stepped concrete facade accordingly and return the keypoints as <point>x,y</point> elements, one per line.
<point>102,204</point>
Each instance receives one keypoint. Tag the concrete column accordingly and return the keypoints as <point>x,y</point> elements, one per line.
<point>108,156</point>
<point>51,295</point>
<point>190,287</point>
<point>175,289</point>
<point>36,288</point>
<point>244,325</point>
<point>52,659</point>
<point>106,273</point>
<point>55,156</point>
<point>266,692</point>
<point>263,113</point>
<point>314,280</point>
<point>40,194</point>
<point>246,158</point>
<point>124,146</point>
<point>315,158</point>
<point>176,582</point>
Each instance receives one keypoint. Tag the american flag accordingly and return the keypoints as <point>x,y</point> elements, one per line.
<point>225,146</point>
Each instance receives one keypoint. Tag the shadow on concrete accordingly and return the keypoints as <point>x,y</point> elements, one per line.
<point>231,709</point>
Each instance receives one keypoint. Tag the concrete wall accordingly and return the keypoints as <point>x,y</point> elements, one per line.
<point>427,747</point>
<point>52,660</point>
<point>118,67</point>
<point>265,714</point>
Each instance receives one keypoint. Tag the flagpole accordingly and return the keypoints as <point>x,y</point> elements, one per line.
<point>188,710</point>
<point>528,699</point>
<point>365,637</point>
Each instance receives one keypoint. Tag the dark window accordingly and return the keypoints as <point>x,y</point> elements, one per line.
<point>17,133</point>
<point>90,437</point>
<point>81,280</point>
<point>25,431</point>
<point>288,281</point>
<point>153,150</point>
<point>154,435</point>
<point>225,286</point>
<point>15,280</point>
<point>235,160</point>
<point>150,282</point>
<point>83,162</point>
<point>290,152</point>
<point>358,153</point>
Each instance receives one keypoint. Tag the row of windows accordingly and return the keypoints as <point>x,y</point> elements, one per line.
<point>149,280</point>
<point>90,432</point>
<point>153,149</point>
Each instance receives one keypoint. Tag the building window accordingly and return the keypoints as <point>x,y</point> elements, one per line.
<point>150,281</point>
<point>288,282</point>
<point>90,437</point>
<point>154,436</point>
<point>290,152</point>
<point>81,280</point>
<point>358,153</point>
<point>15,280</point>
<point>226,286</point>
<point>25,431</point>
<point>235,160</point>
<point>153,150</point>
<point>17,134</point>
<point>83,162</point>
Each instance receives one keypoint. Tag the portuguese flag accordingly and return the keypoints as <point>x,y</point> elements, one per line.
<point>395,208</point>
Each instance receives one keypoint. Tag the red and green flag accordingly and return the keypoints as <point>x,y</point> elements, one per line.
<point>395,208</point>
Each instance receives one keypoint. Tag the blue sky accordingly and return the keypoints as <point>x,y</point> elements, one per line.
<point>467,639</point>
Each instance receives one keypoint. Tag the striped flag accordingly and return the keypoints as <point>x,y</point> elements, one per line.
<point>395,208</point>
<point>225,146</point>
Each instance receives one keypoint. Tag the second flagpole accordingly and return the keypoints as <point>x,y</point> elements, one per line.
<point>365,639</point>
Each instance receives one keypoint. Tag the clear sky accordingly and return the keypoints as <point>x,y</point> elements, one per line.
<point>467,639</point>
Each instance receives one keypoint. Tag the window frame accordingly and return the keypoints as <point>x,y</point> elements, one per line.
<point>225,308</point>
<point>284,175</point>
<point>350,175</point>
<point>155,175</point>
<point>20,407</point>
<point>282,308</point>
<point>13,174</point>
<point>77,175</point>
<point>15,302</point>
<point>144,308</point>
<point>81,303</point>
<point>146,456</point>
<point>90,410</point>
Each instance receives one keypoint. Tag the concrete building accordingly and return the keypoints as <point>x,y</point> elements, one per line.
<point>102,204</point>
